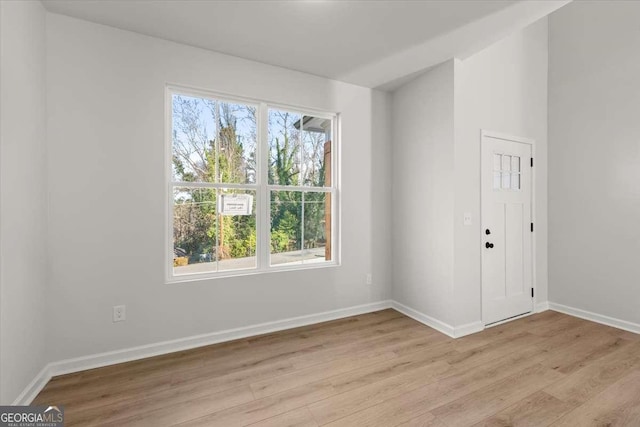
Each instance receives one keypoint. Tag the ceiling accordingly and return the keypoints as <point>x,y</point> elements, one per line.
<point>343,40</point>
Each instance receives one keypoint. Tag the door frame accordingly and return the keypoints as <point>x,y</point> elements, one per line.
<point>484,133</point>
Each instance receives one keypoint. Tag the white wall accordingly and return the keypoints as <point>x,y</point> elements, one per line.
<point>594,158</point>
<point>22,196</point>
<point>437,119</point>
<point>504,89</point>
<point>105,91</point>
<point>423,193</point>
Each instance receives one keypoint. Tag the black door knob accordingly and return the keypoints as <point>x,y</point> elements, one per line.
<point>487,231</point>
<point>488,245</point>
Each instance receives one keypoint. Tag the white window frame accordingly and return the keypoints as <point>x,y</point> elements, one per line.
<point>261,187</point>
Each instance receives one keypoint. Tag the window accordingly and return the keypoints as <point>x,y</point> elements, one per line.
<point>251,186</point>
<point>506,172</point>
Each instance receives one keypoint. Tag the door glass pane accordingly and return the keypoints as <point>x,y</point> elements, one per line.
<point>515,164</point>
<point>515,181</point>
<point>506,163</point>
<point>496,180</point>
<point>497,162</point>
<point>506,180</point>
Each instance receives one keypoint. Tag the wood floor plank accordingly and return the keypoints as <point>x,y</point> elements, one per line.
<point>396,366</point>
<point>494,334</point>
<point>489,400</point>
<point>377,369</point>
<point>585,383</point>
<point>298,345</point>
<point>170,413</point>
<point>424,420</point>
<point>617,405</point>
<point>88,392</point>
<point>539,409</point>
<point>501,346</point>
<point>421,342</point>
<point>217,381</point>
<point>381,405</point>
<point>581,353</point>
<point>319,372</point>
<point>140,405</point>
<point>268,407</point>
<point>300,417</point>
<point>386,342</point>
<point>567,336</point>
<point>548,326</point>
<point>358,399</point>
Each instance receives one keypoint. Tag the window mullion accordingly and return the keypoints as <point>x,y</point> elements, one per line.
<point>264,198</point>
<point>301,188</point>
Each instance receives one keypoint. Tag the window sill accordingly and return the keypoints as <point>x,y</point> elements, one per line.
<point>199,277</point>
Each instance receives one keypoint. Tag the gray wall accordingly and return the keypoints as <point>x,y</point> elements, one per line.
<point>501,89</point>
<point>23,201</point>
<point>437,119</point>
<point>105,98</point>
<point>594,158</point>
<point>423,193</point>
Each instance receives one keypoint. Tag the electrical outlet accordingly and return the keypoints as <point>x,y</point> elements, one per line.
<point>467,218</point>
<point>369,279</point>
<point>119,313</point>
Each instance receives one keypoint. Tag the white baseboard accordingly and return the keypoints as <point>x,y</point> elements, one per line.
<point>423,318</point>
<point>135,353</point>
<point>468,329</point>
<point>595,317</point>
<point>542,306</point>
<point>35,386</point>
<point>452,331</point>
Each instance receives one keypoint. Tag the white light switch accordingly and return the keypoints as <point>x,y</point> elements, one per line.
<point>467,218</point>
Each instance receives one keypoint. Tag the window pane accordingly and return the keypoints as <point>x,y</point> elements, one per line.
<point>284,147</point>
<point>237,236</point>
<point>211,230</point>
<point>300,224</point>
<point>317,226</point>
<point>316,151</point>
<point>286,227</point>
<point>195,230</point>
<point>199,154</point>
<point>236,160</point>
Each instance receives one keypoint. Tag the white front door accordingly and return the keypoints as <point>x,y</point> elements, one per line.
<point>506,229</point>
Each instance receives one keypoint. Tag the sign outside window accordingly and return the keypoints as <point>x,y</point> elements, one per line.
<point>235,204</point>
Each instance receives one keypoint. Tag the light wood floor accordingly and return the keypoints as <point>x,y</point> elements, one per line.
<point>378,369</point>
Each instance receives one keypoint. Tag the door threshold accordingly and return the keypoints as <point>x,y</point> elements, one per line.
<point>509,319</point>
